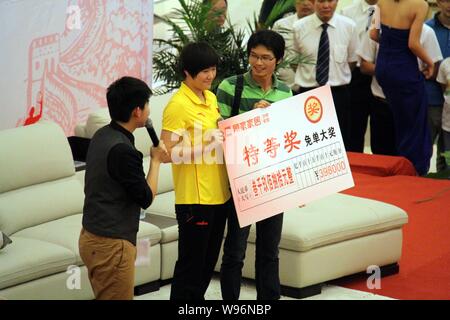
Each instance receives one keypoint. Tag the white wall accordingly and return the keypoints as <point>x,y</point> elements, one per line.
<point>239,11</point>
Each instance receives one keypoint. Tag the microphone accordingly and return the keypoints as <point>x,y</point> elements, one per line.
<point>151,132</point>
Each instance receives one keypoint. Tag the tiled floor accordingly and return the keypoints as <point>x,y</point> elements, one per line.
<point>248,292</point>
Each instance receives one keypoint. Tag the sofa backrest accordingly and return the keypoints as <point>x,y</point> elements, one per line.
<point>37,177</point>
<point>165,181</point>
<point>100,117</point>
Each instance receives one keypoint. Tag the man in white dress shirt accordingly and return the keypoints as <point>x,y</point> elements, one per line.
<point>284,26</point>
<point>382,130</point>
<point>341,35</point>
<point>360,12</point>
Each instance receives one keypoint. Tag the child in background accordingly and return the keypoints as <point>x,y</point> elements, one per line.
<point>443,78</point>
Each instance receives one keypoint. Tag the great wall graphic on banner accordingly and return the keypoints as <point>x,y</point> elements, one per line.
<point>69,71</point>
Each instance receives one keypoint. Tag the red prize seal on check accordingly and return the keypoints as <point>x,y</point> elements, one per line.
<point>313,109</point>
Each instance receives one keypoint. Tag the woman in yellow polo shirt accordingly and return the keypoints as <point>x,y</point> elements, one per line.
<point>202,195</point>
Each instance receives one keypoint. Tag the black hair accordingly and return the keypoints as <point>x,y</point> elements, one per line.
<point>124,95</point>
<point>270,39</point>
<point>212,1</point>
<point>195,57</point>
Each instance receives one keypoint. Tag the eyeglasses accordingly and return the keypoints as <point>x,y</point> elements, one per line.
<point>264,59</point>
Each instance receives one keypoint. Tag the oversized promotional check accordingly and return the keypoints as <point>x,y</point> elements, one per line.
<point>286,155</point>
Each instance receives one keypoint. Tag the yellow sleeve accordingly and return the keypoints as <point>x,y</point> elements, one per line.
<point>174,119</point>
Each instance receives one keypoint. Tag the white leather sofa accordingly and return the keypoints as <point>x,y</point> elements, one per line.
<point>41,201</point>
<point>327,239</point>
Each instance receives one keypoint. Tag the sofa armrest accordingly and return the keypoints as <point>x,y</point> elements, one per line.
<point>80,130</point>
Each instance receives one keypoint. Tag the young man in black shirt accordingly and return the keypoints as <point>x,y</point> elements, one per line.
<point>116,189</point>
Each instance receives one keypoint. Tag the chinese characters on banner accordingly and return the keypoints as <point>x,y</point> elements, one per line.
<point>286,155</point>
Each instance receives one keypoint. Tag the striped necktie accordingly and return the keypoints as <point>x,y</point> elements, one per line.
<point>369,18</point>
<point>323,57</point>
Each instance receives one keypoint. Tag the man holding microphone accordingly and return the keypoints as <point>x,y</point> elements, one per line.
<point>116,189</point>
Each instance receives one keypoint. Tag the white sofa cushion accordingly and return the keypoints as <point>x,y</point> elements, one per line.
<point>97,119</point>
<point>164,204</point>
<point>36,204</point>
<point>38,182</point>
<point>30,259</point>
<point>149,231</point>
<point>165,180</point>
<point>34,154</point>
<point>142,141</point>
<point>100,118</point>
<point>157,106</point>
<point>65,232</point>
<point>336,218</point>
<point>169,234</point>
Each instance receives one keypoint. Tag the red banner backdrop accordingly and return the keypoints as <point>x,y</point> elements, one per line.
<point>58,57</point>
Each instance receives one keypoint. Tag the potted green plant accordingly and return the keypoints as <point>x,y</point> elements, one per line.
<point>280,8</point>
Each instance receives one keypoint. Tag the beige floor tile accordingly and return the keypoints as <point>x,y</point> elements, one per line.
<point>248,292</point>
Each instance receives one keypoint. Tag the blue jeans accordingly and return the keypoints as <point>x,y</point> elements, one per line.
<point>268,236</point>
